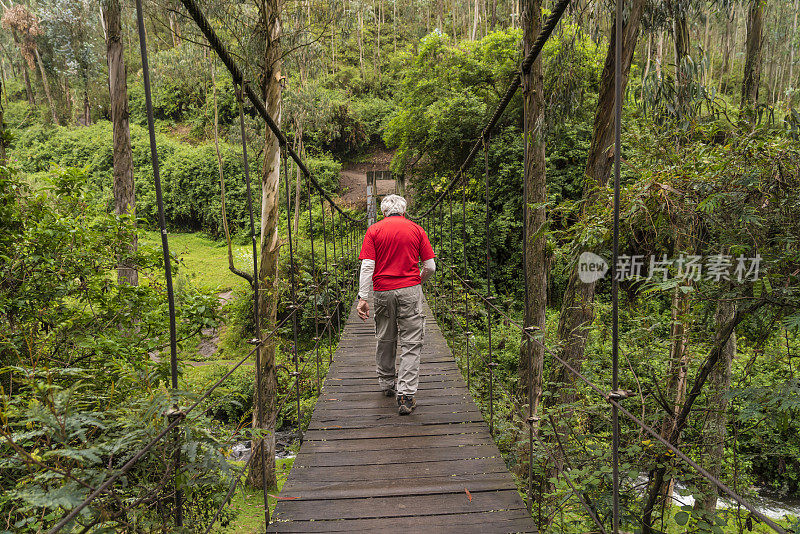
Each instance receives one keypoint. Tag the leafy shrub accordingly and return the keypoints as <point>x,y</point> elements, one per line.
<point>81,393</point>
<point>189,173</point>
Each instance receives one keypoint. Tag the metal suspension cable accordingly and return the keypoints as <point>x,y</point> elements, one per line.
<point>173,342</point>
<point>238,79</point>
<point>615,438</point>
<point>611,397</point>
<point>256,304</point>
<point>527,62</point>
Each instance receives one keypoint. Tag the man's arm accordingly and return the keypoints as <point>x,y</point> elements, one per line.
<point>428,268</point>
<point>365,287</point>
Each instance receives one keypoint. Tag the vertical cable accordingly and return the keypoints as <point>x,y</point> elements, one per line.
<point>326,273</point>
<point>173,343</point>
<point>256,314</point>
<point>334,265</point>
<point>527,340</point>
<point>615,256</point>
<point>295,307</point>
<point>467,332</point>
<point>489,297</point>
<point>314,281</point>
<point>451,257</point>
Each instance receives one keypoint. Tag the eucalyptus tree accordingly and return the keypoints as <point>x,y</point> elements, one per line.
<point>72,43</point>
<point>577,309</point>
<point>531,362</point>
<point>752,66</point>
<point>124,186</point>
<point>24,26</point>
<point>269,29</point>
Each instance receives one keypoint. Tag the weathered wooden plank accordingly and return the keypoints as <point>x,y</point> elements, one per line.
<point>395,442</point>
<point>480,522</point>
<point>388,488</point>
<point>392,420</point>
<point>396,471</point>
<point>407,457</point>
<point>399,506</point>
<point>326,412</point>
<point>382,432</point>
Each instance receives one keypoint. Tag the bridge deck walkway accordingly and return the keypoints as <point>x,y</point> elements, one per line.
<point>362,467</point>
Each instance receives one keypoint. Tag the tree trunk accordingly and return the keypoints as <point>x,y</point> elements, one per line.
<point>678,367</point>
<point>730,15</point>
<point>792,47</point>
<point>531,362</point>
<point>649,50</point>
<point>46,86</point>
<point>361,39</point>
<point>716,426</point>
<point>26,64</point>
<point>124,190</point>
<point>706,42</point>
<point>577,310</point>
<point>87,109</point>
<point>264,414</point>
<point>680,29</point>
<point>752,65</point>
<point>724,331</point>
<point>475,20</point>
<point>28,87</point>
<point>2,124</point>
<point>659,53</point>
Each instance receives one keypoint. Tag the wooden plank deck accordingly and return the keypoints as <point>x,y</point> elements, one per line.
<point>364,468</point>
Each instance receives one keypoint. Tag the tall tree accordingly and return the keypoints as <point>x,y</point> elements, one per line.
<point>792,46</point>
<point>124,189</point>
<point>752,64</point>
<point>24,27</point>
<point>264,414</point>
<point>577,310</point>
<point>2,123</point>
<point>531,361</point>
<point>715,428</point>
<point>680,34</point>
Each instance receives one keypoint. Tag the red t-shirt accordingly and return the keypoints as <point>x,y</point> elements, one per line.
<point>397,245</point>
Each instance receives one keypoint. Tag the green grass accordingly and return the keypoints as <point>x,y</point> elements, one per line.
<point>203,260</point>
<point>248,503</point>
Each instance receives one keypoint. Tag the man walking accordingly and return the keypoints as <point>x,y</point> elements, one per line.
<point>390,254</point>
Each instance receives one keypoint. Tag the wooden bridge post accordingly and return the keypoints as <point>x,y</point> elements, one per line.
<point>372,215</point>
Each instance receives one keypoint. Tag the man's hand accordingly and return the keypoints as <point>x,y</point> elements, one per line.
<point>363,309</point>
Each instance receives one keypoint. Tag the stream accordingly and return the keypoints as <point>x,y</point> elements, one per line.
<point>767,502</point>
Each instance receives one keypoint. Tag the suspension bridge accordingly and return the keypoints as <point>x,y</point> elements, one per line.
<point>361,467</point>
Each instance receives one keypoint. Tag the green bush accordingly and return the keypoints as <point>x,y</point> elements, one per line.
<point>189,173</point>
<point>76,353</point>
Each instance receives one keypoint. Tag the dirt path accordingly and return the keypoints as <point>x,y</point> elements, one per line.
<point>353,178</point>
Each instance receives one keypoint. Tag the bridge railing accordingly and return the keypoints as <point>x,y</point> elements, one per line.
<point>328,288</point>
<point>453,291</point>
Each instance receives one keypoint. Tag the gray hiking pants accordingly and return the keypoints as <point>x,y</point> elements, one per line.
<point>399,327</point>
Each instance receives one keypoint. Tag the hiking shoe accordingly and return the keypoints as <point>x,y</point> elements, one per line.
<point>389,392</point>
<point>406,403</point>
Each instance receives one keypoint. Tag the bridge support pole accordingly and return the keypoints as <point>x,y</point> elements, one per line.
<point>372,213</point>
